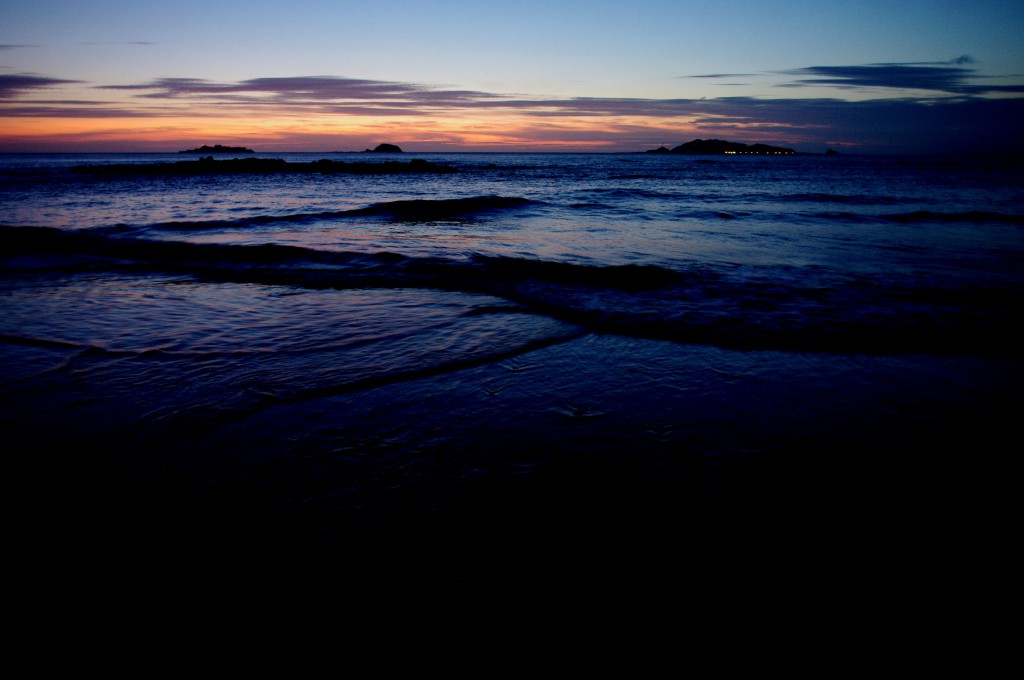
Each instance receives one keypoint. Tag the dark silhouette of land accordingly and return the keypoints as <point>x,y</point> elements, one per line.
<point>217,148</point>
<point>384,148</point>
<point>210,166</point>
<point>719,146</point>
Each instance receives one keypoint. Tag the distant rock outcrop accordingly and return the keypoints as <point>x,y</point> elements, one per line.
<point>385,148</point>
<point>719,146</point>
<point>217,148</point>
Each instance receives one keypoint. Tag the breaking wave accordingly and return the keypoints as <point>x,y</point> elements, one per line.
<point>874,314</point>
<point>418,210</point>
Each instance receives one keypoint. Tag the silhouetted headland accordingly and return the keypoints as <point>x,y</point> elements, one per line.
<point>210,166</point>
<point>384,148</point>
<point>718,146</point>
<point>217,148</point>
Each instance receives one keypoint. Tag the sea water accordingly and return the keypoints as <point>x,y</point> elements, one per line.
<point>534,344</point>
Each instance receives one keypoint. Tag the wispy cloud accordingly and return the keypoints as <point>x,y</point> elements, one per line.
<point>952,77</point>
<point>127,42</point>
<point>901,76</point>
<point>12,84</point>
<point>303,88</point>
<point>725,75</point>
<point>71,108</point>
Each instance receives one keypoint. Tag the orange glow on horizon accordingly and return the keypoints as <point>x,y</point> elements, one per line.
<point>470,131</point>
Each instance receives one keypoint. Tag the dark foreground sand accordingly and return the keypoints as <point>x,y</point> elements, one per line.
<point>598,456</point>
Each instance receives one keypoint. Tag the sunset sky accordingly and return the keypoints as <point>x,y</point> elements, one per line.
<point>453,75</point>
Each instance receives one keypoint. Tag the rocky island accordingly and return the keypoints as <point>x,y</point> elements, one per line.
<point>384,148</point>
<point>718,146</point>
<point>217,148</point>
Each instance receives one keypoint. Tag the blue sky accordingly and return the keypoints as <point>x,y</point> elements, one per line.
<point>449,75</point>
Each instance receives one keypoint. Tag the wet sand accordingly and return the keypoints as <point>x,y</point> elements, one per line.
<point>598,445</point>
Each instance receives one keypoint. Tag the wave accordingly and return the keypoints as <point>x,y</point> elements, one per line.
<point>852,199</point>
<point>423,209</point>
<point>699,304</point>
<point>40,342</point>
<point>926,216</point>
<point>634,193</point>
<point>981,216</point>
<point>417,210</point>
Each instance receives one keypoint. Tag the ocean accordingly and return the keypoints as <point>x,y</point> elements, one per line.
<point>515,351</point>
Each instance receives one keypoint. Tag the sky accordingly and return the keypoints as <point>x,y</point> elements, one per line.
<point>864,76</point>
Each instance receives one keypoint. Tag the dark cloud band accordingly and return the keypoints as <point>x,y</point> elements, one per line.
<point>14,83</point>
